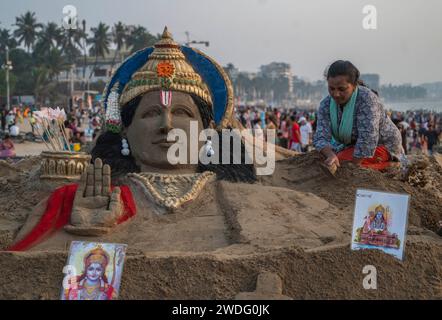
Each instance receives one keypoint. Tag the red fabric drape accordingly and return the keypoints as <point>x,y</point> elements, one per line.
<point>58,212</point>
<point>379,161</point>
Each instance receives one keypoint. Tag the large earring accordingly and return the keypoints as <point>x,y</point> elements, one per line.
<point>125,147</point>
<point>209,149</point>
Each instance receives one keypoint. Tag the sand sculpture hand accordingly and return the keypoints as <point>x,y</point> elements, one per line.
<point>96,208</point>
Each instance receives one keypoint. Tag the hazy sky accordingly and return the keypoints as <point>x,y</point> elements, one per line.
<point>308,34</point>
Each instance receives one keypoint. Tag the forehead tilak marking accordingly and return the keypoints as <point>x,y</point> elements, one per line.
<point>166,98</point>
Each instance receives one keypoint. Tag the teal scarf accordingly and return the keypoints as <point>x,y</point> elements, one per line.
<point>342,132</point>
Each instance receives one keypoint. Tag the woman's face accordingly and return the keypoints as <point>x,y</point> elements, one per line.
<point>147,133</point>
<point>340,89</point>
<point>94,271</point>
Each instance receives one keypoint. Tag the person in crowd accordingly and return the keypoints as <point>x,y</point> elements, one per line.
<point>421,136</point>
<point>10,119</point>
<point>284,130</point>
<point>257,130</point>
<point>431,138</point>
<point>306,132</point>
<point>295,136</point>
<point>3,119</point>
<point>7,149</point>
<point>14,130</point>
<point>68,132</point>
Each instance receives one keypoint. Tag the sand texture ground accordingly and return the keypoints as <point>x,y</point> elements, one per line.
<point>296,224</point>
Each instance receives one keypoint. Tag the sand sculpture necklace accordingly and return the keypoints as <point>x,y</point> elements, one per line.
<point>170,191</point>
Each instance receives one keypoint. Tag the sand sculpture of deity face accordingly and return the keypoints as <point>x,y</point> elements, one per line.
<point>151,123</point>
<point>156,90</point>
<point>172,87</point>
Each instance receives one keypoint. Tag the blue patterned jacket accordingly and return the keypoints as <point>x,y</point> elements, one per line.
<point>371,126</point>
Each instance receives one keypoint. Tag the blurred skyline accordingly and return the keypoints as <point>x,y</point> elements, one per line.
<point>308,34</point>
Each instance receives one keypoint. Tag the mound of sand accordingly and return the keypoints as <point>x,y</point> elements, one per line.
<point>423,183</point>
<point>308,247</point>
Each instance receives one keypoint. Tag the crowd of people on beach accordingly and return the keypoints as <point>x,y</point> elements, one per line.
<point>421,130</point>
<point>81,127</point>
<point>294,127</point>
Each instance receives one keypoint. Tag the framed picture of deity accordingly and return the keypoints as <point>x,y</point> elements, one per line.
<point>380,221</point>
<point>93,271</point>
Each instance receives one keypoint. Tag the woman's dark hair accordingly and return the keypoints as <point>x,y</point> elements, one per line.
<point>346,68</point>
<point>108,148</point>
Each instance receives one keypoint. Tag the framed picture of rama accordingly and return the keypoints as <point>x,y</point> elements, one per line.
<point>380,222</point>
<point>93,271</point>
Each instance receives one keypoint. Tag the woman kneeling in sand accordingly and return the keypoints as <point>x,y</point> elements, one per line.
<point>352,123</point>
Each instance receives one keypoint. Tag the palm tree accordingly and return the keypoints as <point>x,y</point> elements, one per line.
<point>70,43</point>
<point>6,40</point>
<point>55,63</point>
<point>140,38</point>
<point>27,29</point>
<point>99,42</point>
<point>119,34</point>
<point>40,81</point>
<point>243,85</point>
<point>48,38</point>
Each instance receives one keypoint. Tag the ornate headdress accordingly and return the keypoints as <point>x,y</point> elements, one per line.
<point>97,255</point>
<point>165,67</point>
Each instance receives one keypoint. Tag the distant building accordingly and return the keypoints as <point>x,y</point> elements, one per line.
<point>371,80</point>
<point>93,72</point>
<point>309,91</point>
<point>434,90</point>
<point>276,70</point>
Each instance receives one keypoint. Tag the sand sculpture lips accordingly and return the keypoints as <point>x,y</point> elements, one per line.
<point>164,141</point>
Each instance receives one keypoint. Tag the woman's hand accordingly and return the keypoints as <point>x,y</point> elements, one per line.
<point>96,209</point>
<point>331,160</point>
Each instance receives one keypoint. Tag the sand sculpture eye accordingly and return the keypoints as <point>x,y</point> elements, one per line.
<point>183,112</point>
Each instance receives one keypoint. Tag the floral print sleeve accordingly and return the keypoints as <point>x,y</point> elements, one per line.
<point>368,118</point>
<point>323,134</point>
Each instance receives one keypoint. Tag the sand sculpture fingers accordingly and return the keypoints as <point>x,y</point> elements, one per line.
<point>115,201</point>
<point>106,180</point>
<point>90,181</point>
<point>82,185</point>
<point>98,177</point>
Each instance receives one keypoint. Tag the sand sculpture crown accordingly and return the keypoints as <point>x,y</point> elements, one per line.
<point>166,69</point>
